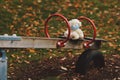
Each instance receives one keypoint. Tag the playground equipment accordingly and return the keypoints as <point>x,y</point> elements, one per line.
<point>91,46</point>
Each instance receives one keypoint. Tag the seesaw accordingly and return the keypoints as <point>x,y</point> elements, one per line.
<point>90,44</point>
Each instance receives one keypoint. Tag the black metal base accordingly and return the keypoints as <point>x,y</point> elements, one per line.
<point>86,57</point>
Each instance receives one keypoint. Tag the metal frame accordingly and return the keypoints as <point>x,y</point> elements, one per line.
<point>3,65</point>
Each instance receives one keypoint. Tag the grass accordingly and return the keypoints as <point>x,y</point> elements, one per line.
<point>20,15</point>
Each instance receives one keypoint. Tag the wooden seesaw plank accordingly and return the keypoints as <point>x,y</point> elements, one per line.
<point>36,42</point>
<point>39,42</point>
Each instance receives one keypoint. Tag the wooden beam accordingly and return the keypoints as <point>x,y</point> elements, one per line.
<point>37,42</point>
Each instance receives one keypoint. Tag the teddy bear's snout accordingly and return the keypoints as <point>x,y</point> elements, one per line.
<point>75,27</point>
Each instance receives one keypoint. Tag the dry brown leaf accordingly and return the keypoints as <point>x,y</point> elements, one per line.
<point>63,68</point>
<point>26,61</point>
<point>112,45</point>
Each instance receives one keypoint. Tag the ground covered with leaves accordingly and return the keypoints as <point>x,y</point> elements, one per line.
<point>27,18</point>
<point>62,68</point>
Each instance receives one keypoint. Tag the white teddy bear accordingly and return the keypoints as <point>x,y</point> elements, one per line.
<point>76,32</point>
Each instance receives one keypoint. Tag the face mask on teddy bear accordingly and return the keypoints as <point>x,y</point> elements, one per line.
<point>75,27</point>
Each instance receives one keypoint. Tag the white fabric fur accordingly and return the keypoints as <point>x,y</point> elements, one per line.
<point>77,32</point>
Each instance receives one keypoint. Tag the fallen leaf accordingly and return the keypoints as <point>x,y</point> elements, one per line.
<point>63,68</point>
<point>26,61</point>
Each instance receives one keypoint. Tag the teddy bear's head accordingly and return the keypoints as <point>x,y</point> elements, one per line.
<point>75,24</point>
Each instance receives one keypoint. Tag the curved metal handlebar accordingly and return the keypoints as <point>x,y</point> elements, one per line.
<point>60,43</point>
<point>87,44</point>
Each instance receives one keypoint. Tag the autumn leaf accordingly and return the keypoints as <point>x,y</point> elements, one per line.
<point>32,50</point>
<point>63,68</point>
<point>112,45</point>
<point>27,62</point>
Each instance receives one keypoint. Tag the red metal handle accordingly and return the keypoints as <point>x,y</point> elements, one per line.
<point>60,43</point>
<point>87,44</point>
